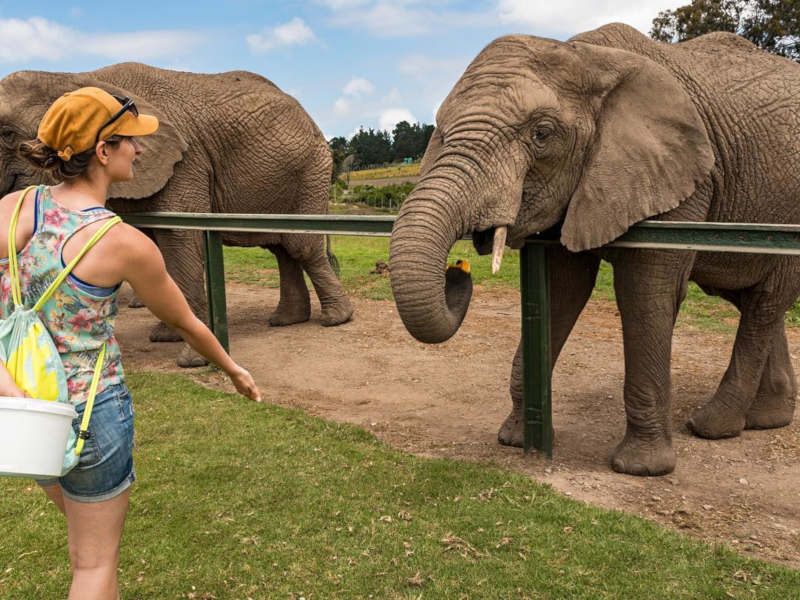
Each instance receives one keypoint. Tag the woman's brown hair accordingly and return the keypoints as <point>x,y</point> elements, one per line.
<point>45,158</point>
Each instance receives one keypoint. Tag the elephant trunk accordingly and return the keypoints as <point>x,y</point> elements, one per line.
<point>431,298</point>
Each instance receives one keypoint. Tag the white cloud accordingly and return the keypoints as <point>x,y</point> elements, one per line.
<point>386,19</point>
<point>293,33</point>
<point>354,91</point>
<point>341,106</point>
<point>37,38</point>
<point>392,116</point>
<point>340,4</point>
<point>357,86</point>
<point>568,17</point>
<point>398,18</point>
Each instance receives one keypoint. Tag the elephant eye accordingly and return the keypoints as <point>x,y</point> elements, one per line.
<point>542,132</point>
<point>7,135</point>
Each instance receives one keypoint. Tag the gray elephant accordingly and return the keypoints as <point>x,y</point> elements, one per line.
<point>590,136</point>
<point>230,142</point>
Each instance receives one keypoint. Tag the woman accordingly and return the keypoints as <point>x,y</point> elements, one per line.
<point>85,140</point>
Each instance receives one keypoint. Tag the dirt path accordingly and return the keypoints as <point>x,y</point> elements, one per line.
<point>448,400</point>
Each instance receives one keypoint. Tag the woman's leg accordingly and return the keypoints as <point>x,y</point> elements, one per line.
<point>95,532</point>
<point>54,493</point>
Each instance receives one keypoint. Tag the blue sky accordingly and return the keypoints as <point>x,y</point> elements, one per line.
<point>350,63</point>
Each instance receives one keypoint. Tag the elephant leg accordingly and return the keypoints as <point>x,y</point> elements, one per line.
<point>336,306</point>
<point>760,334</point>
<point>775,399</point>
<point>183,256</point>
<point>649,285</point>
<point>294,305</point>
<point>572,278</point>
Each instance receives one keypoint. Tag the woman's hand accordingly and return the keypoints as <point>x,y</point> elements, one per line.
<point>244,383</point>
<point>8,386</point>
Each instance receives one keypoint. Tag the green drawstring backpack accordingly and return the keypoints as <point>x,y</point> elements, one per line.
<point>28,351</point>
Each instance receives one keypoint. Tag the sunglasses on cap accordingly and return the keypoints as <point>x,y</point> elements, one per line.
<point>127,105</point>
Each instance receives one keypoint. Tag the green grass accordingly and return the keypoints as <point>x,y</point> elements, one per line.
<point>358,255</point>
<point>237,500</point>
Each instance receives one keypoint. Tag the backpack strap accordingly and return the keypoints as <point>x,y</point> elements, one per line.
<point>13,266</point>
<point>83,432</point>
<point>68,269</point>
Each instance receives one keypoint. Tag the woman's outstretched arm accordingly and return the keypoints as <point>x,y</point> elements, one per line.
<point>144,269</point>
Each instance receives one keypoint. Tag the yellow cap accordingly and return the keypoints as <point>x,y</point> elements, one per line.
<point>72,123</point>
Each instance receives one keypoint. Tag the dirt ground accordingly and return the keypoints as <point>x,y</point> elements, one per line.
<point>449,400</point>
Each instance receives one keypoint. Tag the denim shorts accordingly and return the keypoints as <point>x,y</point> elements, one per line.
<point>105,469</point>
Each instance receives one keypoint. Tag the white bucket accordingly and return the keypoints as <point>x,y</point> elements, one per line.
<point>33,436</point>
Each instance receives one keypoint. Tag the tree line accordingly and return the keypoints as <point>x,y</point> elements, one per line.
<point>370,147</point>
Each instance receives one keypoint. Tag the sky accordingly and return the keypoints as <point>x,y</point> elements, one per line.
<point>350,63</point>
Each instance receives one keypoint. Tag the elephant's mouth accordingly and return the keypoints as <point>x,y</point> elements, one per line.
<point>492,240</point>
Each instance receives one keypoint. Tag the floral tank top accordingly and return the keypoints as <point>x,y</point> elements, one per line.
<point>79,317</point>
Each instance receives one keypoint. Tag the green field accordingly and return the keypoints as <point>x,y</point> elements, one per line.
<point>358,255</point>
<point>236,500</point>
<point>399,170</point>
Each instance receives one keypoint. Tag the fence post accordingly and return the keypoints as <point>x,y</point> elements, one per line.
<point>536,407</point>
<point>215,286</point>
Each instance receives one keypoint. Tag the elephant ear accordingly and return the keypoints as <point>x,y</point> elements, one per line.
<point>650,149</point>
<point>161,151</point>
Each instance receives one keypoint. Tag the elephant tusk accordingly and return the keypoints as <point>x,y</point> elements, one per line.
<point>498,247</point>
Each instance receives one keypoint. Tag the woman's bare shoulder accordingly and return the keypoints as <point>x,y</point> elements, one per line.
<point>11,197</point>
<point>128,238</point>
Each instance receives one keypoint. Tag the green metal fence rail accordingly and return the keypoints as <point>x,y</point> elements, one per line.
<point>534,277</point>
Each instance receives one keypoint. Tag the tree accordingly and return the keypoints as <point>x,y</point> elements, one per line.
<point>370,147</point>
<point>339,152</point>
<point>405,140</point>
<point>773,25</point>
<point>410,141</point>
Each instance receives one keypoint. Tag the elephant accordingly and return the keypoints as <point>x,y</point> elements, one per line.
<point>585,138</point>
<point>229,142</point>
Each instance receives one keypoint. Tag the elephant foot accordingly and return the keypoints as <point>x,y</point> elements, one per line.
<point>510,433</point>
<point>162,333</point>
<point>289,313</point>
<point>135,302</point>
<point>635,456</point>
<point>337,311</point>
<point>770,412</point>
<point>189,359</point>
<point>714,420</point>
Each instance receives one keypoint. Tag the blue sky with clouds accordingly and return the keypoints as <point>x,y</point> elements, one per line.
<point>349,62</point>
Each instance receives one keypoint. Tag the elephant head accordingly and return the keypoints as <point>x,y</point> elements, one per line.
<point>26,95</point>
<point>539,133</point>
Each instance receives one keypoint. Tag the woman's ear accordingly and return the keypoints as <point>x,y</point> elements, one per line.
<point>650,149</point>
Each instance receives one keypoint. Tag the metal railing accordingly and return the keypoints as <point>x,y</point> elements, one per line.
<point>534,276</point>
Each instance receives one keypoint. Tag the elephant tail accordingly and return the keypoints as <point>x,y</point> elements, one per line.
<point>334,262</point>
